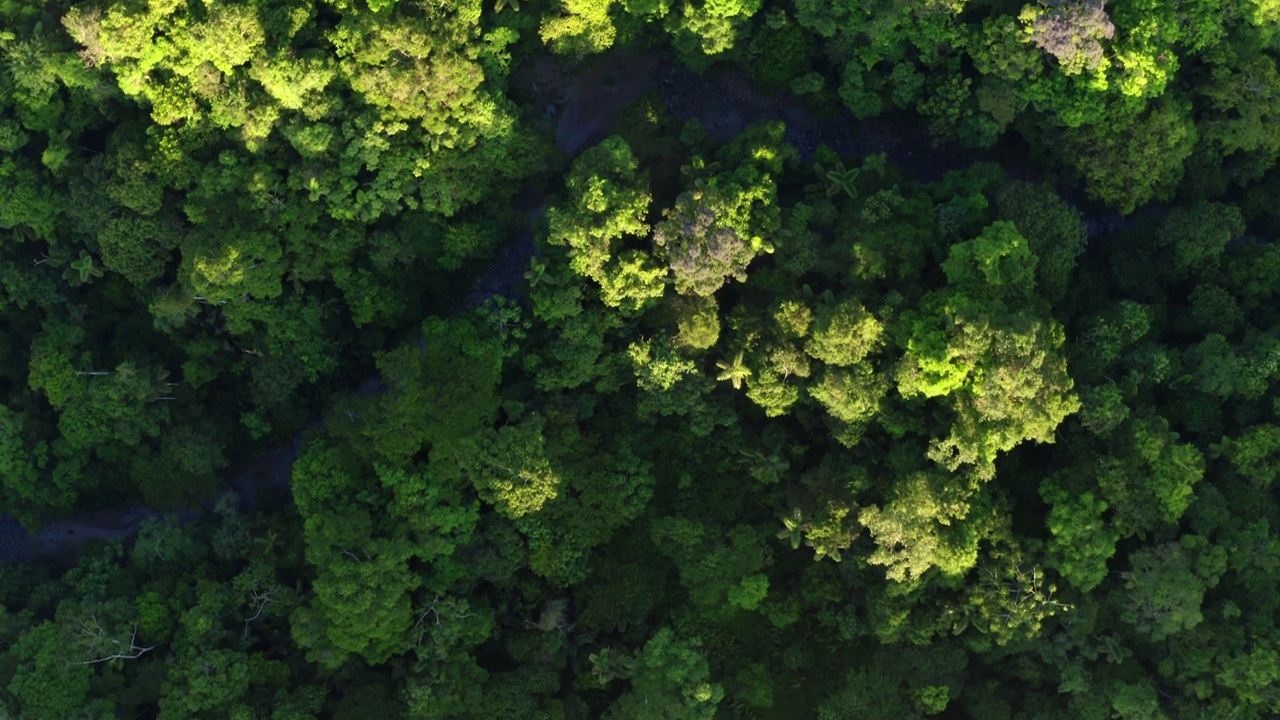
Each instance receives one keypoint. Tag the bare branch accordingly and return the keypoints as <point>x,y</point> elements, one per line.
<point>131,651</point>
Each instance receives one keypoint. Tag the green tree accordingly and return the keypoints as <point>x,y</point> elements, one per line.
<point>632,282</point>
<point>670,385</point>
<point>918,529</point>
<point>1003,373</point>
<point>436,514</point>
<point>898,682</point>
<point>362,589</point>
<point>1255,454</point>
<point>852,397</point>
<point>843,334</point>
<point>1253,676</point>
<point>777,384</point>
<point>1082,541</point>
<point>1136,701</point>
<point>1011,600</point>
<point>1165,588</point>
<point>999,263</point>
<point>670,679</point>
<point>24,457</point>
<point>1132,159</point>
<point>510,468</point>
<point>440,390</point>
<point>697,322</point>
<point>608,200</point>
<point>46,682</point>
<point>1055,233</point>
<point>1243,108</point>
<point>137,248</point>
<point>580,28</point>
<point>711,570</point>
<point>117,405</point>
<point>1154,482</point>
<point>203,682</point>
<point>703,28</point>
<point>1197,235</point>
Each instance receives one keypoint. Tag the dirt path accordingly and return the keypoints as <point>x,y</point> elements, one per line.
<point>593,96</point>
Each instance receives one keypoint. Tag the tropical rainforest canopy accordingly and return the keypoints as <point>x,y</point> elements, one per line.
<point>640,359</point>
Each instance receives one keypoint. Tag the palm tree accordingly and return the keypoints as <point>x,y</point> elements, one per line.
<point>875,163</point>
<point>699,167</point>
<point>609,664</point>
<point>537,271</point>
<point>826,297</point>
<point>698,172</point>
<point>821,550</point>
<point>160,386</point>
<point>836,179</point>
<point>502,4</point>
<point>1114,651</point>
<point>766,468</point>
<point>84,269</point>
<point>793,528</point>
<point>735,372</point>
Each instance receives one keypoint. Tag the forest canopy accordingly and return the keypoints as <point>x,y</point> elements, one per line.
<point>639,359</point>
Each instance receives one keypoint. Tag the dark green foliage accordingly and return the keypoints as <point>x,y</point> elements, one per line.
<point>1055,233</point>
<point>369,359</point>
